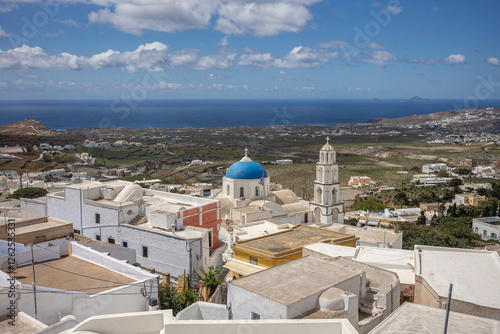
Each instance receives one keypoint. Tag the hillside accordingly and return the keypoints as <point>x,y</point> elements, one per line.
<point>28,127</point>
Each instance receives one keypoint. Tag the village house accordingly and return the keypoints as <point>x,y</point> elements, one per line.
<point>83,284</point>
<point>473,273</point>
<point>309,288</point>
<point>487,227</point>
<point>172,233</point>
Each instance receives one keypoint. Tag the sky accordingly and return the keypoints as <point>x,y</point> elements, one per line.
<point>244,49</point>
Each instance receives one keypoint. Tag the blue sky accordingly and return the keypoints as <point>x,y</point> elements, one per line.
<point>154,49</point>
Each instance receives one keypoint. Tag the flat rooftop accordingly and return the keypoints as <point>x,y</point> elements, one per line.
<point>22,325</point>
<point>72,274</point>
<point>296,237</point>
<point>490,220</point>
<point>368,234</point>
<point>473,273</point>
<point>296,280</point>
<point>414,318</point>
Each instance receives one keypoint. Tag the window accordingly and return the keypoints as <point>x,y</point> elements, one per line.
<point>493,235</point>
<point>242,192</point>
<point>97,237</point>
<point>144,251</point>
<point>485,233</point>
<point>476,230</point>
<point>255,316</point>
<point>76,231</point>
<point>124,244</point>
<point>254,260</point>
<point>111,240</point>
<point>228,190</point>
<point>257,191</point>
<point>210,241</point>
<point>97,218</point>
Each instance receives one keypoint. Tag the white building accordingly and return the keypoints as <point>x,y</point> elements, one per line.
<point>309,288</point>
<point>83,284</point>
<point>413,318</point>
<point>284,162</point>
<point>433,168</point>
<point>487,227</point>
<point>172,233</point>
<point>161,322</point>
<point>327,207</point>
<point>431,180</point>
<point>473,273</point>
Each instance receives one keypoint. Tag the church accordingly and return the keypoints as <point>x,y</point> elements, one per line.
<point>246,197</point>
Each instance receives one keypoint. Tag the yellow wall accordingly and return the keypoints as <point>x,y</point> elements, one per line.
<point>268,262</point>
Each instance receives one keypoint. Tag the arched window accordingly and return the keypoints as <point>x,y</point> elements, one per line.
<point>257,191</point>
<point>228,190</point>
<point>320,174</point>
<point>319,196</point>
<point>476,230</point>
<point>334,200</point>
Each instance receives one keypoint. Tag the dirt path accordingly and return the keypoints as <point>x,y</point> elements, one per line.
<point>385,164</point>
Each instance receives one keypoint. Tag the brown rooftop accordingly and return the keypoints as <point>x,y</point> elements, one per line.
<point>296,237</point>
<point>39,230</point>
<point>72,274</point>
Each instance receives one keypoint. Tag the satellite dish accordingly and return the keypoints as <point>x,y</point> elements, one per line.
<point>7,267</point>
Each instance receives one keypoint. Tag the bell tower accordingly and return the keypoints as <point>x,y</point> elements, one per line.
<point>326,206</point>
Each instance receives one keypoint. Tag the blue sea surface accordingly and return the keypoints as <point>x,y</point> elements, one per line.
<point>72,114</point>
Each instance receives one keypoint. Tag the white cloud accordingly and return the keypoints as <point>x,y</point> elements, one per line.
<point>422,61</point>
<point>453,59</point>
<point>299,57</point>
<point>69,22</point>
<point>434,8</point>
<point>376,4</point>
<point>332,44</point>
<point>395,10</point>
<point>263,18</point>
<point>3,33</point>
<point>220,61</point>
<point>379,58</point>
<point>259,18</point>
<point>223,41</point>
<point>170,85</point>
<point>374,45</point>
<point>493,61</point>
<point>282,73</point>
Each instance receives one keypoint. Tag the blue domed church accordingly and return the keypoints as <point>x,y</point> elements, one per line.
<point>246,180</point>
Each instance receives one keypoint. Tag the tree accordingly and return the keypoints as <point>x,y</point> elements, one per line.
<point>210,278</point>
<point>175,299</point>
<point>456,182</point>
<point>400,198</point>
<point>29,193</point>
<point>421,219</point>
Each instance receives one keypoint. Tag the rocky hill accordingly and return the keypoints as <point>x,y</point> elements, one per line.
<point>28,127</point>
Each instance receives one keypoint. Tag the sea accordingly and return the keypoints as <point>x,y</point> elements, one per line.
<point>77,114</point>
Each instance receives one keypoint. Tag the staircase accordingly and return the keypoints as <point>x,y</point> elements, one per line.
<point>139,219</point>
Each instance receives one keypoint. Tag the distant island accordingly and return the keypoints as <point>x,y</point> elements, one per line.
<point>416,99</point>
<point>376,100</point>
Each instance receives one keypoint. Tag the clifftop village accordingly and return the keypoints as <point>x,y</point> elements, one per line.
<point>85,252</point>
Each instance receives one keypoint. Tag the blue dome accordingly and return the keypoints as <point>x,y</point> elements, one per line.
<point>245,170</point>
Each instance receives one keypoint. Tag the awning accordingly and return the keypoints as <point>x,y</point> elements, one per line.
<point>241,268</point>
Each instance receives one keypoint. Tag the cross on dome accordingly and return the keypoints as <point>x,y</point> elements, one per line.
<point>246,152</point>
<point>327,139</point>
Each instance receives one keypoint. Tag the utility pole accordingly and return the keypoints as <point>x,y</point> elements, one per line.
<point>448,309</point>
<point>21,178</point>
<point>34,280</point>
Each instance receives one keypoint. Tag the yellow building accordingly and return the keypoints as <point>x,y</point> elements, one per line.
<point>267,251</point>
<point>468,199</point>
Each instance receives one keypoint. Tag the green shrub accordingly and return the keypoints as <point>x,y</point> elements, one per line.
<point>29,193</point>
